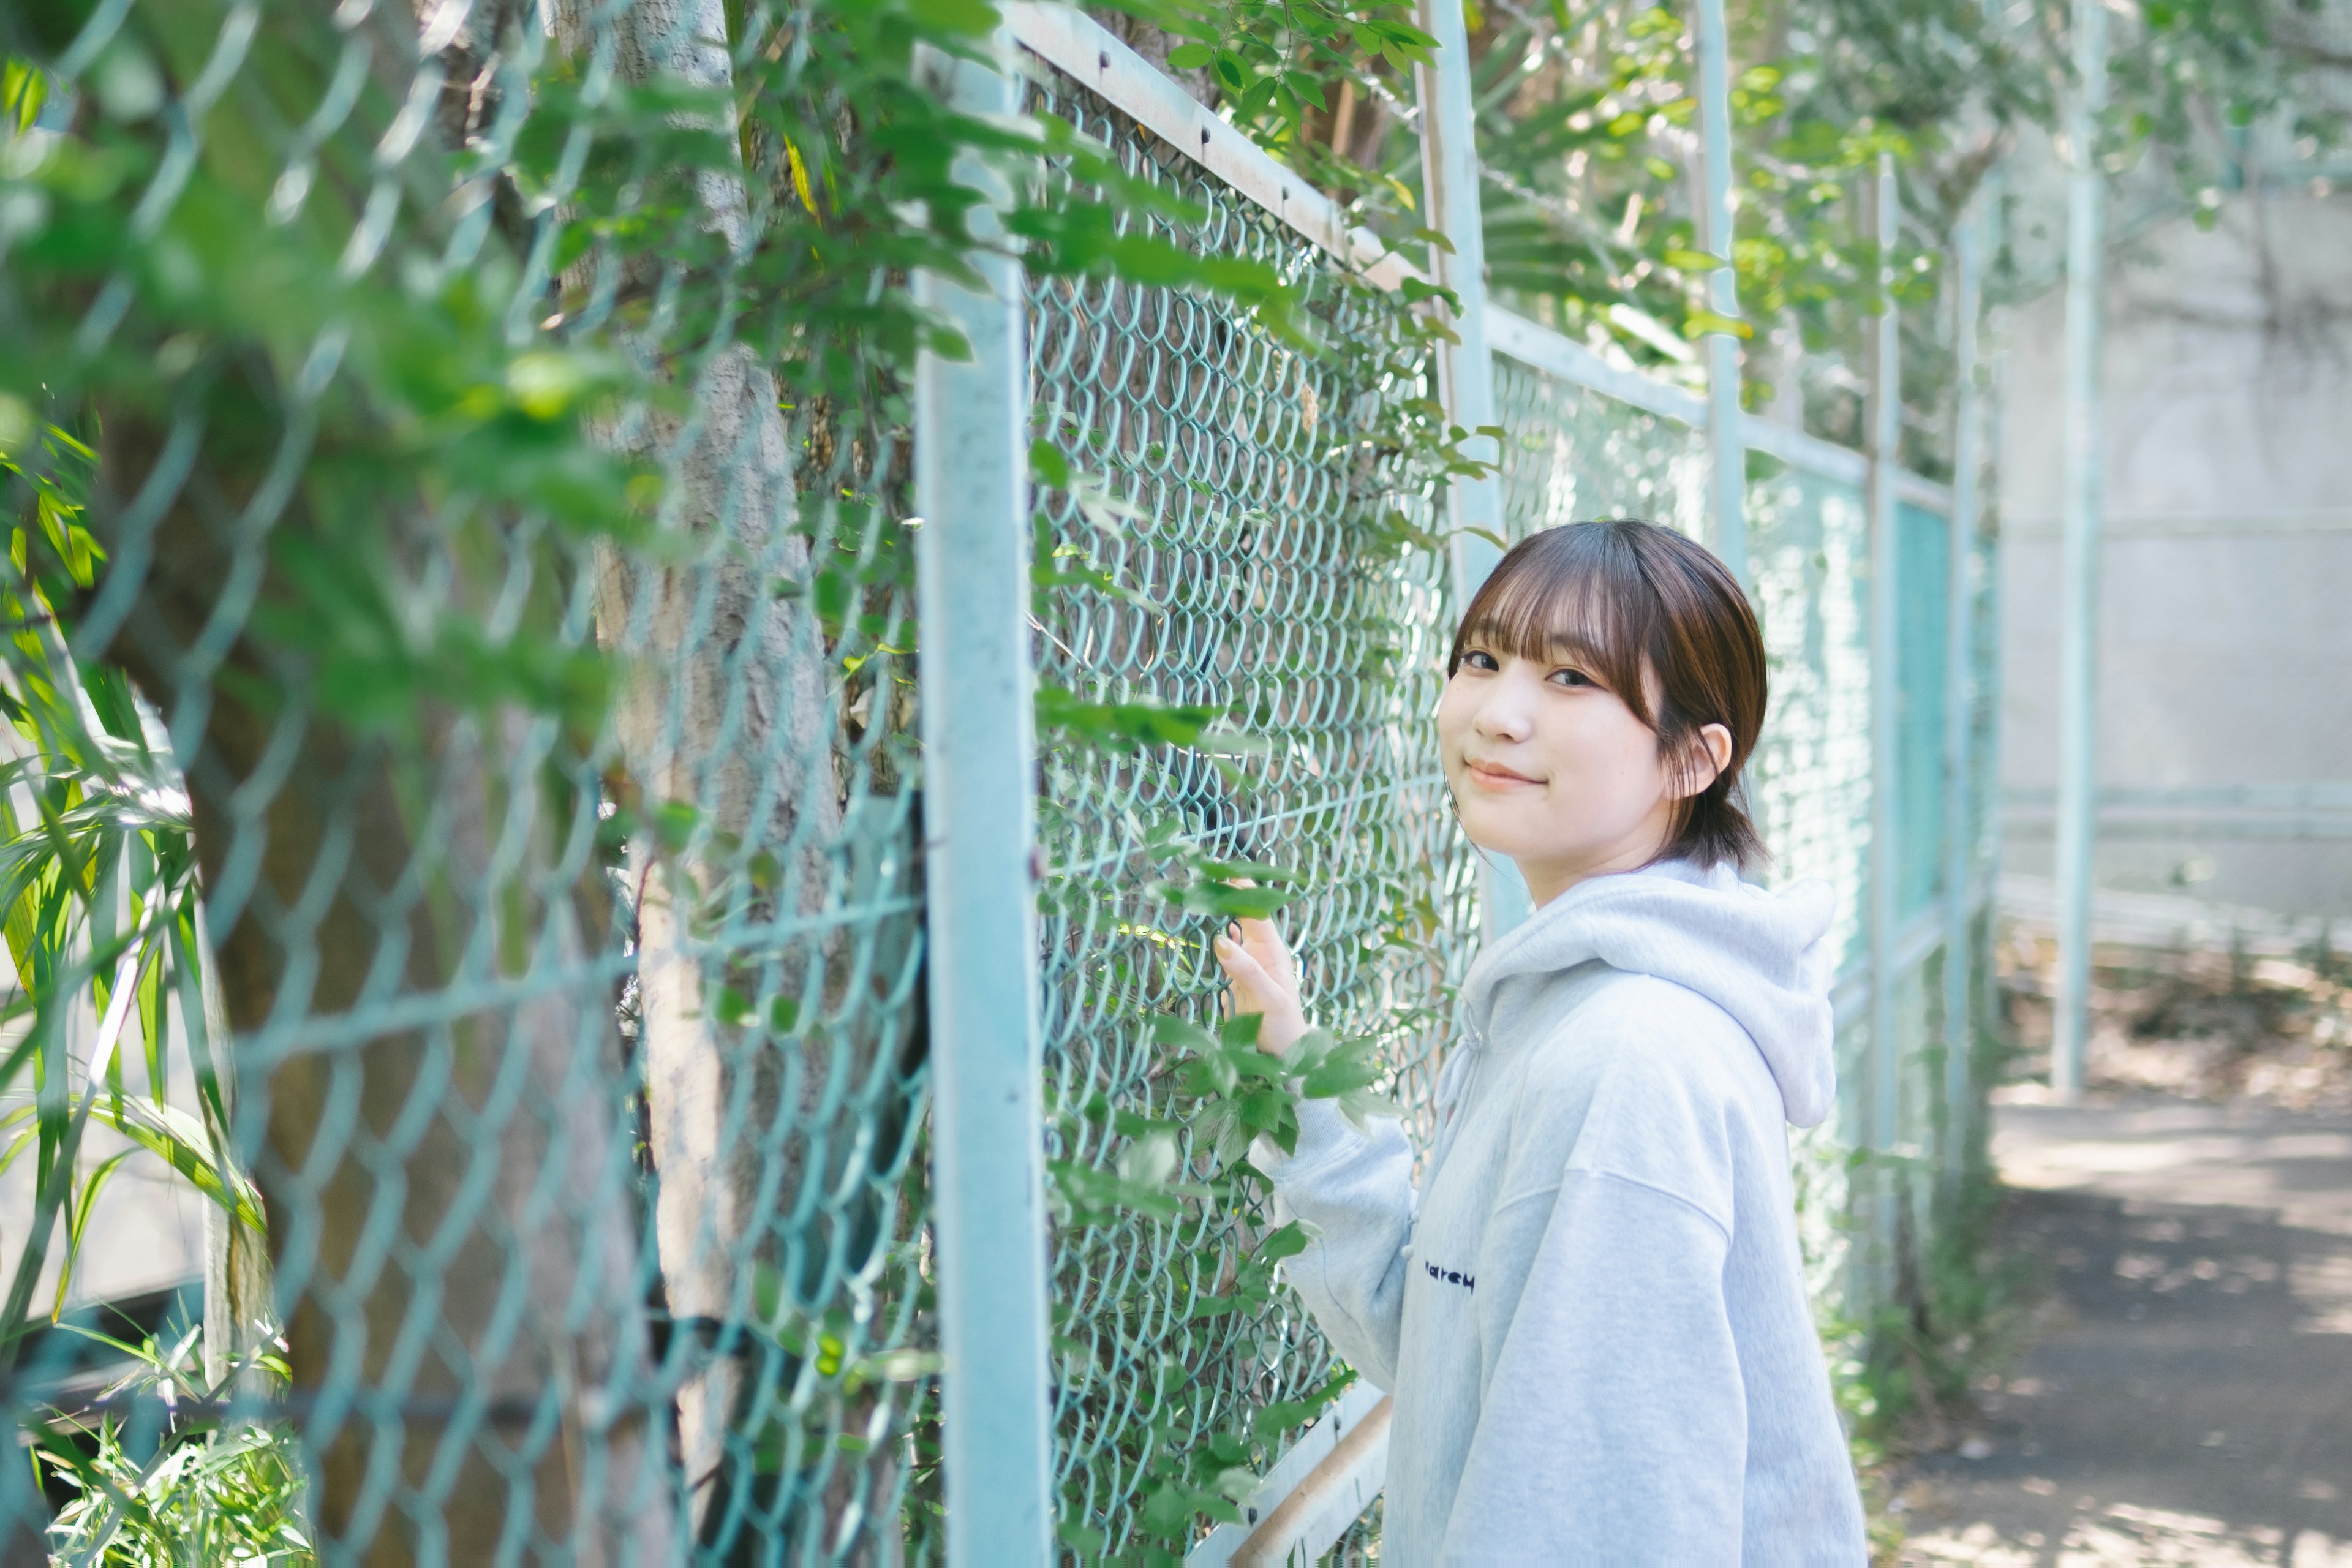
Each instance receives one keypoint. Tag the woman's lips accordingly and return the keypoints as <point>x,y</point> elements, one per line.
<point>1495,776</point>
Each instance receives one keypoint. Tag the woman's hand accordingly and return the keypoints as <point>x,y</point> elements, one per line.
<point>1265,980</point>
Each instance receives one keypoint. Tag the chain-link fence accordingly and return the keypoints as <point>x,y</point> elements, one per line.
<point>1224,544</point>
<point>558,973</point>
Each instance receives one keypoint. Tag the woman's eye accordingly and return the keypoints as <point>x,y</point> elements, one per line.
<point>1479,658</point>
<point>1572,677</point>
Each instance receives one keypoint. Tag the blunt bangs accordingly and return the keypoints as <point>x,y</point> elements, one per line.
<point>1578,594</point>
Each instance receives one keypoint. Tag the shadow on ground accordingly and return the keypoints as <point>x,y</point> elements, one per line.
<point>2192,1401</point>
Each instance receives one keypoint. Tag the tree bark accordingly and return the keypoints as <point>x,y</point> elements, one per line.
<point>725,710</point>
<point>447,1178</point>
<point>409,919</point>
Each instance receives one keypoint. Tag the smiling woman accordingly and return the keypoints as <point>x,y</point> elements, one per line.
<point>1592,1314</point>
<point>1606,689</point>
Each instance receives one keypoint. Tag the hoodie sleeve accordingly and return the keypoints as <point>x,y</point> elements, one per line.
<point>1355,1190</point>
<point>1617,1366</point>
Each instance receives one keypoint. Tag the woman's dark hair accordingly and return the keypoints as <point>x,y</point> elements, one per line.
<point>1626,597</point>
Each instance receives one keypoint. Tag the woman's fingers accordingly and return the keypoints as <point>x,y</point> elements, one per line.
<point>1263,979</point>
<point>1241,966</point>
<point>1256,991</point>
<point>1263,939</point>
<point>1259,936</point>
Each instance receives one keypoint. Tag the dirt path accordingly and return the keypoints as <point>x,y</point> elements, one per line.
<point>2192,1402</point>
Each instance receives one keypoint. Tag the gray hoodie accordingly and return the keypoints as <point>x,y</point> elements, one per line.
<point>1595,1326</point>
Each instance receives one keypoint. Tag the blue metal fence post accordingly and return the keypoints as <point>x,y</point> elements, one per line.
<point>1465,368</point>
<point>1886,719</point>
<point>972,463</point>
<point>1726,452</point>
<point>2078,645</point>
<point>1992,213</point>
<point>1960,694</point>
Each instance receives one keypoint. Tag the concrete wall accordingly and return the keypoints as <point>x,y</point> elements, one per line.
<point>2226,605</point>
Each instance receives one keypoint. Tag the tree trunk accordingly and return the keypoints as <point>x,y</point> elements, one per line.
<point>413,938</point>
<point>430,1066</point>
<point>725,712</point>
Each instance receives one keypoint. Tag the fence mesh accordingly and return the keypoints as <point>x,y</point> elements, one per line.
<point>1227,543</point>
<point>559,932</point>
<point>1572,453</point>
<point>557,975</point>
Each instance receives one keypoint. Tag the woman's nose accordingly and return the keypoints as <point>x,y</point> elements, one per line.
<point>1504,715</point>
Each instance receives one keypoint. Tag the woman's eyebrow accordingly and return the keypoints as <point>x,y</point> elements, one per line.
<point>1571,651</point>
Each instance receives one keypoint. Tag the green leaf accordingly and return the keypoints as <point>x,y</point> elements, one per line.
<point>1122,727</point>
<point>1264,1108</point>
<point>1288,1242</point>
<point>1251,870</point>
<point>1191,57</point>
<point>1698,323</point>
<point>1361,1106</point>
<point>974,17</point>
<point>674,822</point>
<point>1345,1071</point>
<point>1179,1034</point>
<point>1047,463</point>
<point>1272,1420</point>
<point>1216,899</point>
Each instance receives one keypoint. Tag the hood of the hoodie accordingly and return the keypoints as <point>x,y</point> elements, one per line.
<point>1758,954</point>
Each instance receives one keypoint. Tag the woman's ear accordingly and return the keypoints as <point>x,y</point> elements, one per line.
<point>1705,753</point>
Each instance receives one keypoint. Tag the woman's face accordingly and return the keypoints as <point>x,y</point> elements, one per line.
<point>1552,769</point>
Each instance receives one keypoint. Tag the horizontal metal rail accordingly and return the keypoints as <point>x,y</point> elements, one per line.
<point>2173,920</point>
<point>2318,796</point>
<point>1539,348</point>
<point>1923,492</point>
<point>2143,827</point>
<point>1809,453</point>
<point>1082,49</point>
<point>2326,521</point>
<point>1304,1462</point>
<point>2310,812</point>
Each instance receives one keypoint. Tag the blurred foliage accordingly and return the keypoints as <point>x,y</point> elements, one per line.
<point>98,903</point>
<point>1588,135</point>
<point>158,1478</point>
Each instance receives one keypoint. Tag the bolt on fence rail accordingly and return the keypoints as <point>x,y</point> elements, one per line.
<point>584,934</point>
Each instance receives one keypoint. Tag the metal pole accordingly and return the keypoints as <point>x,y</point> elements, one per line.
<point>2078,645</point>
<point>1885,711</point>
<point>1465,368</point>
<point>1726,453</point>
<point>1994,217</point>
<point>972,465</point>
<point>1960,697</point>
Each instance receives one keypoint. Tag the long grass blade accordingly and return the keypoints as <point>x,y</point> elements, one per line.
<point>57,1172</point>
